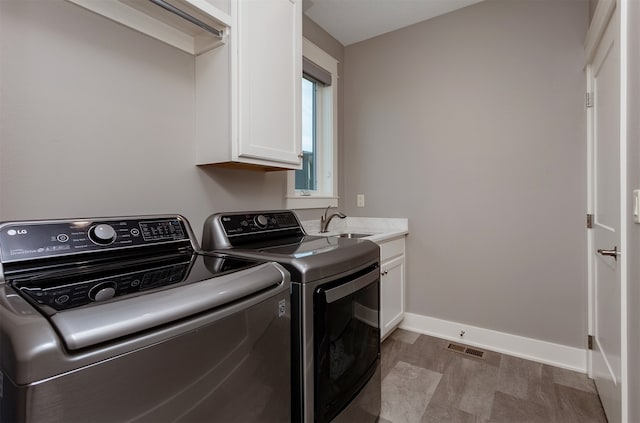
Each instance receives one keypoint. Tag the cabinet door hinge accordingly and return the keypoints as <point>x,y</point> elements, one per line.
<point>589,221</point>
<point>590,342</point>
<point>589,100</point>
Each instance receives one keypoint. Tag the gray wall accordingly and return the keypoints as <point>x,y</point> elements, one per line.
<point>633,246</point>
<point>472,125</point>
<point>97,120</point>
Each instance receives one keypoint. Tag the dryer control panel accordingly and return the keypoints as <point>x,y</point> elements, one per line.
<point>247,223</point>
<point>44,239</point>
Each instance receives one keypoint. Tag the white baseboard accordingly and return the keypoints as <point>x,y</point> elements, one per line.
<point>531,349</point>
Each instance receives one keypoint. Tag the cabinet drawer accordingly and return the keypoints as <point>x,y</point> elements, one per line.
<point>392,248</point>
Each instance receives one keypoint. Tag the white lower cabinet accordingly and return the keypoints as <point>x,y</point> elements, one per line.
<point>392,284</point>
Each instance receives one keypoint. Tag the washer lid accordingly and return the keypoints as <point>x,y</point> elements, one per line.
<point>87,326</point>
<point>87,284</point>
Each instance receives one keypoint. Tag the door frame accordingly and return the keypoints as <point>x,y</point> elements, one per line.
<point>602,15</point>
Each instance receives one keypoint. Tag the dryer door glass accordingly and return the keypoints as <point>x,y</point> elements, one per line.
<point>347,341</point>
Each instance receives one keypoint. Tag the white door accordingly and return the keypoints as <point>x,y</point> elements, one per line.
<point>606,364</point>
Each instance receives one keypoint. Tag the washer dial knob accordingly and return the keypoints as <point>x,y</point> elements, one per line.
<point>261,221</point>
<point>102,234</point>
<point>102,291</point>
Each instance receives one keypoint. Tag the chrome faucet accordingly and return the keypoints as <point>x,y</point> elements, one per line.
<point>324,221</point>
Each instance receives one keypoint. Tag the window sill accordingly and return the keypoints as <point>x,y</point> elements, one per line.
<point>310,202</point>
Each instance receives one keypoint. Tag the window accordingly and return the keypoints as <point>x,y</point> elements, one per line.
<point>307,177</point>
<point>315,185</point>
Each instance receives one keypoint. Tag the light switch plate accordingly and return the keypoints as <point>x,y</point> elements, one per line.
<point>636,205</point>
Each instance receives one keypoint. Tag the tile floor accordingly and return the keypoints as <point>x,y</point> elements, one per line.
<point>422,381</point>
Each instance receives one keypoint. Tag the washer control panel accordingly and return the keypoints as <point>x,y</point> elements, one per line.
<point>247,223</point>
<point>33,240</point>
<point>64,297</point>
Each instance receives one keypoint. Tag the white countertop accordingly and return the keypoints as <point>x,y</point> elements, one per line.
<point>379,228</point>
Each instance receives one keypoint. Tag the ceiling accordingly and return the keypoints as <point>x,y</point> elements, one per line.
<point>351,21</point>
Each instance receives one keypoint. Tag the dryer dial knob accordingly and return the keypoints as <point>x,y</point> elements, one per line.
<point>261,221</point>
<point>102,234</point>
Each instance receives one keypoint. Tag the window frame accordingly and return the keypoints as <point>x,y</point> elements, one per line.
<point>326,138</point>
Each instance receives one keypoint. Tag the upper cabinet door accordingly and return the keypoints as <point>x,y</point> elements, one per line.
<point>269,80</point>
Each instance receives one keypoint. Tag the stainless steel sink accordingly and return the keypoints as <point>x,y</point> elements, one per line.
<point>352,235</point>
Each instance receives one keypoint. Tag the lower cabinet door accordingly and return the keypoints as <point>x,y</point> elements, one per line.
<point>391,295</point>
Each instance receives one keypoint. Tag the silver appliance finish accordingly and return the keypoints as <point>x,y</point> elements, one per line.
<point>313,261</point>
<point>212,345</point>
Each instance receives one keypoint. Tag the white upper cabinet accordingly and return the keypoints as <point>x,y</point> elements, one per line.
<point>248,60</point>
<point>248,92</point>
<point>194,26</point>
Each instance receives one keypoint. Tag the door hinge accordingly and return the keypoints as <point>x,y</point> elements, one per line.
<point>590,342</point>
<point>589,221</point>
<point>589,100</point>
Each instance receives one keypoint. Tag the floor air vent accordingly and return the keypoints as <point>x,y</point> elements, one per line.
<point>466,350</point>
